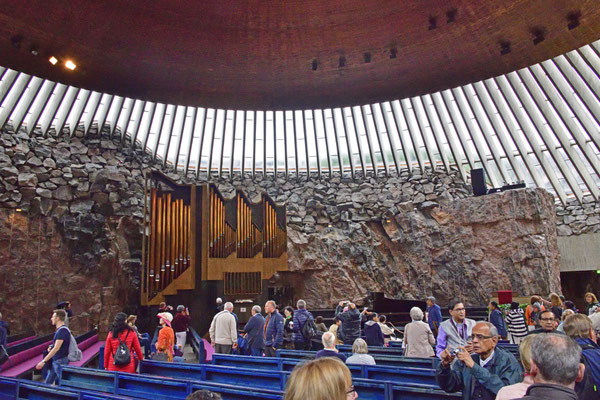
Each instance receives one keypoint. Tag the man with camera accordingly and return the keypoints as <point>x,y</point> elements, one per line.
<point>482,374</point>
<point>454,331</point>
<point>350,317</point>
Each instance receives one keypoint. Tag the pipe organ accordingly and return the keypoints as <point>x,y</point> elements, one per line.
<point>192,233</point>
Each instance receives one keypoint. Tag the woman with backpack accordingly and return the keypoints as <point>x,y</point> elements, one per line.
<point>121,342</point>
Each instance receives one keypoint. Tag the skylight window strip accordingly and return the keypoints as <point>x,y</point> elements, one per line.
<point>254,155</point>
<point>78,110</point>
<point>145,133</point>
<point>226,126</point>
<point>125,117</point>
<point>189,129</point>
<point>166,134</point>
<point>535,90</point>
<point>340,128</point>
<point>91,109</point>
<point>331,132</point>
<point>582,65</point>
<point>536,118</point>
<point>160,120</point>
<point>234,136</point>
<point>326,139</point>
<point>66,109</point>
<point>39,105</point>
<point>591,57</point>
<point>246,116</point>
<point>132,125</point>
<point>13,98</point>
<point>49,112</point>
<point>363,124</point>
<point>490,135</point>
<point>9,79</point>
<point>102,113</point>
<point>422,123</point>
<point>503,132</point>
<point>473,130</point>
<point>440,135</point>
<point>379,133</point>
<point>204,140</point>
<point>567,115</point>
<point>393,107</point>
<point>355,141</point>
<point>411,130</point>
<point>584,105</point>
<point>113,114</point>
<point>264,138</point>
<point>314,135</point>
<point>391,137</point>
<point>454,137</point>
<point>303,132</point>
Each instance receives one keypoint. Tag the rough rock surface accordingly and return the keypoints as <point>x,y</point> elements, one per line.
<point>406,234</point>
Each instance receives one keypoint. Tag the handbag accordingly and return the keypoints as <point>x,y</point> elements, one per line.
<point>3,355</point>
<point>160,357</point>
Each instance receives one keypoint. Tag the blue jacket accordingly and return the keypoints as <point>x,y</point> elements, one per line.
<point>3,332</point>
<point>591,353</point>
<point>502,370</point>
<point>498,321</point>
<point>301,315</point>
<point>373,334</point>
<point>274,330</point>
<point>434,314</point>
<point>254,328</point>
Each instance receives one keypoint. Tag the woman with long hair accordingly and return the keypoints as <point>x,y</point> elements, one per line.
<point>591,303</point>
<point>556,307</point>
<point>121,332</point>
<point>166,335</point>
<point>325,378</point>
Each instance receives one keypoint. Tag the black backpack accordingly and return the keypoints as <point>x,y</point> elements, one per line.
<point>122,354</point>
<point>309,330</point>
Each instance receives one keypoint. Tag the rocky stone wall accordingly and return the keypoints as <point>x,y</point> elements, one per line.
<point>407,235</point>
<point>577,219</point>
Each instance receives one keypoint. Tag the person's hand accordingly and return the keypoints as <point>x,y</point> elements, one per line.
<point>212,344</point>
<point>40,365</point>
<point>341,304</point>
<point>446,357</point>
<point>274,348</point>
<point>465,357</point>
<point>235,345</point>
<point>469,347</point>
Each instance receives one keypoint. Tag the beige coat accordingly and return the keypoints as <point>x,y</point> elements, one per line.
<point>223,329</point>
<point>418,340</point>
<point>515,391</point>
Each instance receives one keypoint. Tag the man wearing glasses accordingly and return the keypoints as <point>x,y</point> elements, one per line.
<point>454,331</point>
<point>548,323</point>
<point>481,375</point>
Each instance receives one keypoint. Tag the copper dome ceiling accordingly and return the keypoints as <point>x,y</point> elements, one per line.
<point>263,54</point>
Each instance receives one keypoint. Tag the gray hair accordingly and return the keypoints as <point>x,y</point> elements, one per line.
<point>272,303</point>
<point>180,308</point>
<point>416,314</point>
<point>301,304</point>
<point>219,300</point>
<point>257,309</point>
<point>328,339</point>
<point>360,347</point>
<point>431,298</point>
<point>493,329</point>
<point>228,306</point>
<point>557,357</point>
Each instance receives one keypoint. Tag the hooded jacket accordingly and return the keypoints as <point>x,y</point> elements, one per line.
<point>350,329</point>
<point>301,315</point>
<point>373,334</point>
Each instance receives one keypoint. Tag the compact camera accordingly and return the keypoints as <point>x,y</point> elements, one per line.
<point>455,352</point>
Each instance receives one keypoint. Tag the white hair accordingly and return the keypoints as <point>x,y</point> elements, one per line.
<point>360,347</point>
<point>416,314</point>
<point>228,306</point>
<point>257,309</point>
<point>219,300</point>
<point>301,304</point>
<point>328,340</point>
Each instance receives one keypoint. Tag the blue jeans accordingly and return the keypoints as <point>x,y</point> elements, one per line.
<point>54,372</point>
<point>256,352</point>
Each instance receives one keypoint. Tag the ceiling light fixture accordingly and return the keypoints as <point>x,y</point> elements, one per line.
<point>70,64</point>
<point>53,60</point>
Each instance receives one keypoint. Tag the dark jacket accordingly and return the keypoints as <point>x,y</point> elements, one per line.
<point>350,329</point>
<point>498,321</point>
<point>547,391</point>
<point>541,330</point>
<point>301,315</point>
<point>274,330</point>
<point>373,334</point>
<point>502,370</point>
<point>434,317</point>
<point>3,332</point>
<point>589,387</point>
<point>254,328</point>
<point>180,323</point>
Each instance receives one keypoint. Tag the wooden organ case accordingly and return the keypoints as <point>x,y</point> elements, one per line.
<point>194,235</point>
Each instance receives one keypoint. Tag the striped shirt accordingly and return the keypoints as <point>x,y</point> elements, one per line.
<point>516,323</point>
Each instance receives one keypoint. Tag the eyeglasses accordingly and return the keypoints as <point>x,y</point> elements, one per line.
<point>546,319</point>
<point>478,337</point>
<point>459,309</point>
<point>351,392</point>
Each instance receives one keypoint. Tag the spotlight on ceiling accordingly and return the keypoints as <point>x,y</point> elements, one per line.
<point>34,50</point>
<point>432,23</point>
<point>70,64</point>
<point>451,15</point>
<point>16,41</point>
<point>573,19</point>
<point>53,60</point>
<point>505,47</point>
<point>539,35</point>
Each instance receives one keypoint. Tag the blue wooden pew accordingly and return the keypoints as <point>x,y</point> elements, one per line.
<point>380,359</point>
<point>11,388</point>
